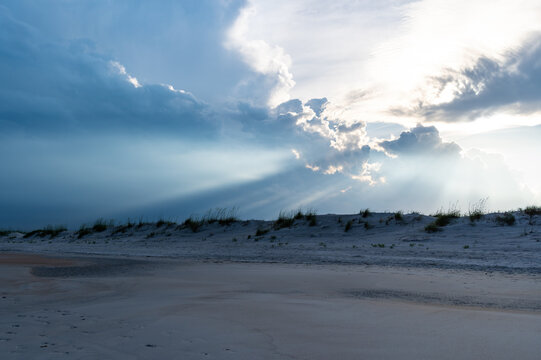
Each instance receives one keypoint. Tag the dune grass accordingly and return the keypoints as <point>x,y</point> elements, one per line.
<point>49,230</point>
<point>532,210</point>
<point>222,216</point>
<point>443,218</point>
<point>162,222</point>
<point>193,223</point>
<point>432,228</point>
<point>348,226</point>
<point>285,220</point>
<point>477,210</point>
<point>261,232</point>
<point>83,231</point>
<point>506,218</point>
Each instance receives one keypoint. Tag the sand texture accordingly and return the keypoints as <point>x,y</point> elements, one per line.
<point>95,307</point>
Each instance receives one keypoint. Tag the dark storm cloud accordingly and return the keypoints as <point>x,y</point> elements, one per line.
<point>490,86</point>
<point>52,86</point>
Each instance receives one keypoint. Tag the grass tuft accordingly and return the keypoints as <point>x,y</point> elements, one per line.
<point>444,218</point>
<point>261,232</point>
<point>193,223</point>
<point>349,224</point>
<point>532,210</point>
<point>222,216</point>
<point>299,215</point>
<point>49,230</point>
<point>365,213</point>
<point>506,218</point>
<point>432,228</point>
<point>284,220</point>
<point>477,210</point>
<point>162,222</point>
<point>83,231</point>
<point>100,225</point>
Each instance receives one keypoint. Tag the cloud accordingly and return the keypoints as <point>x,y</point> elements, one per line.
<point>512,85</point>
<point>271,61</point>
<point>90,131</point>
<point>171,42</point>
<point>50,86</point>
<point>421,140</point>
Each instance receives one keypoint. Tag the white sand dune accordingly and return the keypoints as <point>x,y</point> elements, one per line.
<point>484,245</point>
<point>392,291</point>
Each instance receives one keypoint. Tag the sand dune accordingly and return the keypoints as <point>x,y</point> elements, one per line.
<point>385,291</point>
<point>379,239</point>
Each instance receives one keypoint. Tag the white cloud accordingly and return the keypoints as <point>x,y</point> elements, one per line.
<point>269,60</point>
<point>131,79</point>
<point>370,57</point>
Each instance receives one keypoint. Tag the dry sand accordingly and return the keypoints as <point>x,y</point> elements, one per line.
<point>148,308</point>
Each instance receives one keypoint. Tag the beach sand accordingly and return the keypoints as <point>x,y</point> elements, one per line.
<point>148,308</point>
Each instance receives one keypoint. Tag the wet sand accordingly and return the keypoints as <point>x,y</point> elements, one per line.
<point>54,308</point>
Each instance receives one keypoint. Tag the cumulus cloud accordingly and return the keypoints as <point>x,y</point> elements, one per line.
<point>421,140</point>
<point>328,145</point>
<point>271,61</point>
<point>490,85</point>
<point>170,41</point>
<point>49,86</point>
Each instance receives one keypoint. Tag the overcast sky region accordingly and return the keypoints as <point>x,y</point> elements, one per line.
<point>146,109</point>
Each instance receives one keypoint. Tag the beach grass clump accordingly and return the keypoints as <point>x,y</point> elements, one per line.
<point>365,213</point>
<point>284,220</point>
<point>123,228</point>
<point>477,210</point>
<point>299,215</point>
<point>399,216</point>
<point>531,211</point>
<point>100,225</point>
<point>444,218</point>
<point>261,231</point>
<point>348,226</point>
<point>310,216</point>
<point>432,228</point>
<point>222,216</point>
<point>193,223</point>
<point>506,218</point>
<point>163,222</point>
<point>83,231</point>
<point>49,230</point>
<point>5,232</point>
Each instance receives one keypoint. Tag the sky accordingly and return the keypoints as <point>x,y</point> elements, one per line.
<point>165,109</point>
